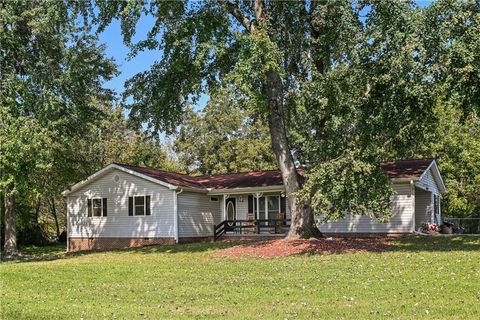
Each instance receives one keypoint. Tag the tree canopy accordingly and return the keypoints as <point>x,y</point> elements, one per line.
<point>333,86</point>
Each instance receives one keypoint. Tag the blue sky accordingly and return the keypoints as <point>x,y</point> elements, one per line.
<point>112,38</point>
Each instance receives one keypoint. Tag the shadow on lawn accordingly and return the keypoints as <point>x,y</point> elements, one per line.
<point>404,244</point>
<point>56,252</point>
<point>436,243</point>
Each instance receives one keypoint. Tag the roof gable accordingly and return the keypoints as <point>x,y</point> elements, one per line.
<point>109,168</point>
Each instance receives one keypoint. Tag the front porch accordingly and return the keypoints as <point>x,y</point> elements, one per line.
<point>252,228</point>
<point>258,212</point>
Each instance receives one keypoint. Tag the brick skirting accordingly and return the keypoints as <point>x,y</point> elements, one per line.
<point>82,244</point>
<point>194,239</point>
<point>365,235</point>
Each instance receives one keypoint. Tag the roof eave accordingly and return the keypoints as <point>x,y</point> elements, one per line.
<point>245,190</point>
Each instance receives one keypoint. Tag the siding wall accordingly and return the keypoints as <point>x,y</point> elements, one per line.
<point>118,223</point>
<point>401,221</point>
<point>423,207</point>
<point>428,181</point>
<point>197,214</point>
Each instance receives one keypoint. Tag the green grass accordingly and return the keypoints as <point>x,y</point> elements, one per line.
<point>418,278</point>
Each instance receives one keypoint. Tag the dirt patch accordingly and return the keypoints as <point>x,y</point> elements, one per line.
<point>284,248</point>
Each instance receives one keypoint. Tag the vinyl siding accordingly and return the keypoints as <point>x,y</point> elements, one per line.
<point>428,182</point>
<point>401,221</point>
<point>118,223</point>
<point>423,207</point>
<point>197,214</point>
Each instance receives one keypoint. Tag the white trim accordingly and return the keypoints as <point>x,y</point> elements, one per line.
<point>101,208</point>
<point>436,175</point>
<point>175,213</point>
<point>144,205</point>
<point>412,190</point>
<point>107,169</point>
<point>246,190</point>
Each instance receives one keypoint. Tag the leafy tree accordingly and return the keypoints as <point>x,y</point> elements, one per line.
<point>223,138</point>
<point>335,87</point>
<point>52,72</point>
<point>451,37</point>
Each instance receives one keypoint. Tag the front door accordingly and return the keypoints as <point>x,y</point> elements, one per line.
<point>231,213</point>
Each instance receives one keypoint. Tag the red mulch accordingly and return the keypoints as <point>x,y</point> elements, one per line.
<point>283,248</point>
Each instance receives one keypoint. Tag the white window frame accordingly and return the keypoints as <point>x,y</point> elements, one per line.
<point>144,205</point>
<point>218,199</point>
<point>101,208</point>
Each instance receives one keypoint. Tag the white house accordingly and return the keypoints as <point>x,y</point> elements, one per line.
<point>122,206</point>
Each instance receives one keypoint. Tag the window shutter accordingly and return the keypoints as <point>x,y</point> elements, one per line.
<point>283,205</point>
<point>250,204</point>
<point>104,207</point>
<point>89,207</point>
<point>130,206</point>
<point>147,205</point>
<point>283,209</point>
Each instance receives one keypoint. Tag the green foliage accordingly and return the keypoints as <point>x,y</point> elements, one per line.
<point>330,186</point>
<point>114,140</point>
<point>452,49</point>
<point>223,139</point>
<point>456,143</point>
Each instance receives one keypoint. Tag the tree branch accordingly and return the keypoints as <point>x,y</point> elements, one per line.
<point>258,8</point>
<point>234,11</point>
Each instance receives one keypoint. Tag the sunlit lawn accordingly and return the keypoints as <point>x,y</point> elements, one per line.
<point>417,278</point>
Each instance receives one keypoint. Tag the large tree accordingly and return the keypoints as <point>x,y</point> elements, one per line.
<point>343,74</point>
<point>451,39</point>
<point>52,70</point>
<point>223,138</point>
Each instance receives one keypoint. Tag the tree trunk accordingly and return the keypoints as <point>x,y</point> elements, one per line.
<point>54,214</point>
<point>302,221</point>
<point>10,248</point>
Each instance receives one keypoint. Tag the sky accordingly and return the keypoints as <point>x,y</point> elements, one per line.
<point>116,49</point>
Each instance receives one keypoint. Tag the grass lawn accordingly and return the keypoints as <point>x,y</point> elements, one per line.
<point>416,278</point>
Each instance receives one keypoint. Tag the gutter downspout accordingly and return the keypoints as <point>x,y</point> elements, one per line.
<point>175,213</point>
<point>412,183</point>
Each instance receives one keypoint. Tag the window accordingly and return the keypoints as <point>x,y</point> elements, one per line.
<point>97,207</point>
<point>139,206</point>
<point>269,207</point>
<point>213,199</point>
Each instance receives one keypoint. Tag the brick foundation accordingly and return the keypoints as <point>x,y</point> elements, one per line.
<point>366,235</point>
<point>254,237</point>
<point>82,244</point>
<point>194,239</point>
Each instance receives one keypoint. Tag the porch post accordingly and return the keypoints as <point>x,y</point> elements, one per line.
<point>223,207</point>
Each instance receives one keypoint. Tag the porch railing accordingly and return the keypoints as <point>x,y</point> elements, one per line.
<point>267,226</point>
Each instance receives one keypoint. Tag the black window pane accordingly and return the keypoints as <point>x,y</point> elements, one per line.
<point>97,212</point>
<point>139,210</point>
<point>97,203</point>
<point>139,201</point>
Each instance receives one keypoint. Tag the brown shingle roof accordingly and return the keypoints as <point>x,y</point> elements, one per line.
<point>177,179</point>
<point>394,169</point>
<point>242,179</point>
<point>407,169</point>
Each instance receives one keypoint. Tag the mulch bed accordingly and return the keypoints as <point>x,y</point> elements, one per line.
<point>284,248</point>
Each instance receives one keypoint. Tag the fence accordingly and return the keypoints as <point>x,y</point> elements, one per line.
<point>468,225</point>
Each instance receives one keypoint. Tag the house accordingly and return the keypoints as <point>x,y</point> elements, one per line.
<point>123,206</point>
